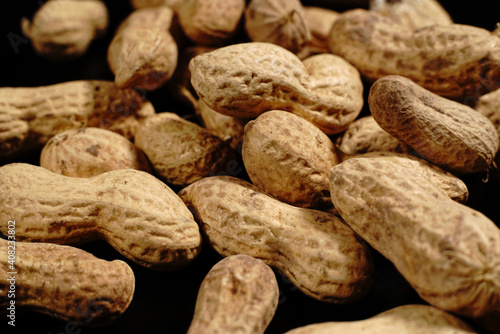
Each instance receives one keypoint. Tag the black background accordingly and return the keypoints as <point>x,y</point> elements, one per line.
<point>164,301</point>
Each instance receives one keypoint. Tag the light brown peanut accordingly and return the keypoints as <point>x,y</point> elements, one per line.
<point>65,282</point>
<point>411,318</point>
<point>244,80</point>
<point>239,295</point>
<point>449,134</point>
<point>138,4</point>
<point>86,152</point>
<point>180,151</point>
<point>316,250</point>
<point>289,158</point>
<point>143,53</point>
<point>137,214</point>
<point>280,22</point>
<point>487,105</point>
<point>30,116</point>
<point>452,60</point>
<point>63,29</point>
<point>210,22</point>
<point>448,252</point>
<point>320,22</point>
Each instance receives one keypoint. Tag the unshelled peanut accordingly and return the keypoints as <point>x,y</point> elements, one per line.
<point>239,295</point>
<point>86,152</point>
<point>65,282</point>
<point>320,22</point>
<point>316,250</point>
<point>244,80</point>
<point>448,252</point>
<point>137,214</point>
<point>447,133</point>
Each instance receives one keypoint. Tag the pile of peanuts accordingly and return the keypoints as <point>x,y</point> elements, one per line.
<point>315,147</point>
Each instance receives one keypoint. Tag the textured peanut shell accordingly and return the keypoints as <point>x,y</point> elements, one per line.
<point>453,186</point>
<point>239,295</point>
<point>317,251</point>
<point>488,106</point>
<point>413,14</point>
<point>182,152</point>
<point>138,4</point>
<point>447,133</point>
<point>133,211</point>
<point>66,283</point>
<point>280,22</point>
<point>453,60</point>
<point>401,319</point>
<point>289,158</point>
<point>364,135</point>
<point>448,252</point>
<point>87,152</point>
<point>210,22</point>
<point>143,53</point>
<point>244,80</point>
<point>320,22</point>
<point>30,116</point>
<point>63,30</point>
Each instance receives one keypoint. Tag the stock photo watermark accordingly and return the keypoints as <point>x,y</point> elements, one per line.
<point>11,272</point>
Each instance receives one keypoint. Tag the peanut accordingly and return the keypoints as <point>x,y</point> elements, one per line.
<point>133,211</point>
<point>487,105</point>
<point>180,151</point>
<point>451,60</point>
<point>66,283</point>
<point>86,152</point>
<point>449,134</point>
<point>239,295</point>
<point>414,14</point>
<point>317,251</point>
<point>138,4</point>
<point>320,22</point>
<point>448,252</point>
<point>402,319</point>
<point>63,30</point>
<point>210,22</point>
<point>30,116</point>
<point>289,158</point>
<point>280,22</point>
<point>244,80</point>
<point>143,53</point>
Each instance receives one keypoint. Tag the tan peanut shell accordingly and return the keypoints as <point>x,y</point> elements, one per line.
<point>414,14</point>
<point>411,318</point>
<point>30,116</point>
<point>138,4</point>
<point>447,251</point>
<point>239,295</point>
<point>487,105</point>
<point>137,214</point>
<point>320,22</point>
<point>447,133</point>
<point>244,80</point>
<point>316,250</point>
<point>453,60</point>
<point>65,282</point>
<point>63,30</point>
<point>289,158</point>
<point>181,151</point>
<point>280,22</point>
<point>210,22</point>
<point>86,152</point>
<point>364,135</point>
<point>143,53</point>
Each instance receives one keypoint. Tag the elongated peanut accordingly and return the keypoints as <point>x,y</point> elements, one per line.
<point>280,22</point>
<point>453,60</point>
<point>63,30</point>
<point>65,282</point>
<point>239,295</point>
<point>132,210</point>
<point>244,80</point>
<point>289,158</point>
<point>87,152</point>
<point>30,116</point>
<point>402,319</point>
<point>448,252</point>
<point>180,151</point>
<point>316,250</point>
<point>447,133</point>
<point>143,53</point>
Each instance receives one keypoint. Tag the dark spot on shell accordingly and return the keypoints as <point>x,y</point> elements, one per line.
<point>437,64</point>
<point>93,150</point>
